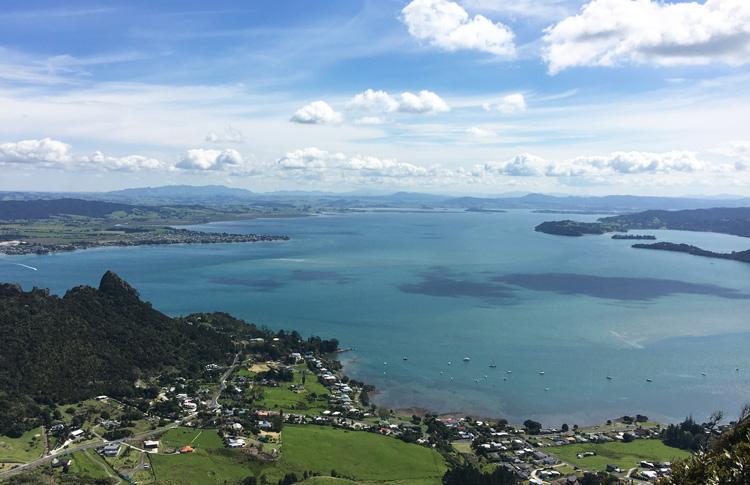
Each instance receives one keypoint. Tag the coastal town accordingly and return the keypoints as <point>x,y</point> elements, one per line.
<point>277,392</point>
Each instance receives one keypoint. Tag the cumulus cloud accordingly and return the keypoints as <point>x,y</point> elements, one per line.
<point>130,163</point>
<point>616,163</point>
<point>371,100</point>
<point>613,32</point>
<point>423,102</point>
<point>448,26</point>
<point>318,164</point>
<point>511,104</point>
<point>44,152</point>
<point>202,159</point>
<point>316,113</point>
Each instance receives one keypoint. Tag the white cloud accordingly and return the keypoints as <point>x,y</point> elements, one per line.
<point>511,104</point>
<point>613,32</point>
<point>448,26</point>
<point>211,160</point>
<point>314,163</point>
<point>371,100</point>
<point>229,135</point>
<point>423,102</point>
<point>522,165</point>
<point>44,152</point>
<point>317,113</point>
<point>617,163</point>
<point>130,163</point>
<point>478,132</point>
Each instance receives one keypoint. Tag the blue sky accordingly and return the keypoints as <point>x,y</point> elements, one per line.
<point>465,96</point>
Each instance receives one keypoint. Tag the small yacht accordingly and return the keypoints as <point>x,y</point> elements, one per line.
<point>466,359</point>
<point>508,371</point>
<point>541,372</point>
<point>609,378</point>
<point>493,365</point>
<point>703,374</point>
<point>649,380</point>
<point>406,358</point>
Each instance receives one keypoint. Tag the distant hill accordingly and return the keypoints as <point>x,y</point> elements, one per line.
<point>725,220</point>
<point>44,209</point>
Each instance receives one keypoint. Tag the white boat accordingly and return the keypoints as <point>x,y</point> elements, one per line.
<point>541,372</point>
<point>466,359</point>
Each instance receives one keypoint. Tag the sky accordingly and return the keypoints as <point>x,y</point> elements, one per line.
<point>640,97</point>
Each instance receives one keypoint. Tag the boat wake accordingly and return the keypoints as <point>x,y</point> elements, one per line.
<point>26,266</point>
<point>625,340</point>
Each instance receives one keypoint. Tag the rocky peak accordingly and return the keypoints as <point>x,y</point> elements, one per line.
<point>112,285</point>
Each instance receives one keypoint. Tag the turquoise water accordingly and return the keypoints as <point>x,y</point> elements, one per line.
<point>440,287</point>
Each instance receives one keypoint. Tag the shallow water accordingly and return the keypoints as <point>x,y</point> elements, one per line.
<point>440,287</point>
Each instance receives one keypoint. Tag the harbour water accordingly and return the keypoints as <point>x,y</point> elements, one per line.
<point>438,287</point>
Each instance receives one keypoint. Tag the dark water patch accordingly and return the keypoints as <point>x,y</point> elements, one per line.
<point>332,276</point>
<point>261,284</point>
<point>614,288</point>
<point>442,282</point>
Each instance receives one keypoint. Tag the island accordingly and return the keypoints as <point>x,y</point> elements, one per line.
<point>743,256</point>
<point>573,228</point>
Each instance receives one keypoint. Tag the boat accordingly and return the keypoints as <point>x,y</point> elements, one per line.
<point>466,359</point>
<point>703,374</point>
<point>541,372</point>
<point>609,378</point>
<point>649,380</point>
<point>406,358</point>
<point>508,371</point>
<point>493,365</point>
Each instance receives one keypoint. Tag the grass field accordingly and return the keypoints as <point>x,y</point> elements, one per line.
<point>205,439</point>
<point>358,455</point>
<point>365,457</point>
<point>88,464</point>
<point>624,455</point>
<point>20,450</point>
<point>284,399</point>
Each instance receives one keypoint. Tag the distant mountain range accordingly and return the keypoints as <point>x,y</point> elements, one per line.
<point>219,195</point>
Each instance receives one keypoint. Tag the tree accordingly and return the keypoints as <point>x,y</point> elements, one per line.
<point>565,427</point>
<point>532,427</point>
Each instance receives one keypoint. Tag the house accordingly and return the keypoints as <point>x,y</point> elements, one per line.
<point>613,468</point>
<point>110,449</point>
<point>186,449</point>
<point>75,434</point>
<point>237,427</point>
<point>649,475</point>
<point>56,428</point>
<point>189,406</point>
<point>235,442</point>
<point>151,445</point>
<point>264,425</point>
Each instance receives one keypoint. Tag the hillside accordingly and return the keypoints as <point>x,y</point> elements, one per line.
<point>725,220</point>
<point>44,209</point>
<point>91,341</point>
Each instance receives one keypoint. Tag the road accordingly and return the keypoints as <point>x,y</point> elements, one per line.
<point>33,464</point>
<point>223,385</point>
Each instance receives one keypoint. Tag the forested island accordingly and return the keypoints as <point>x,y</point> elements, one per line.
<point>743,256</point>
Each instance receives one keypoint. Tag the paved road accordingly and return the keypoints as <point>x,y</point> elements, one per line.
<point>215,400</point>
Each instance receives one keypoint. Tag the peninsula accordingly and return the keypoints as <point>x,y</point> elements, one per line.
<point>57,225</point>
<point>743,256</point>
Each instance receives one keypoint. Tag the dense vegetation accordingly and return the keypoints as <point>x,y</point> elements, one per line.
<point>732,220</point>
<point>726,460</point>
<point>743,256</point>
<point>101,341</point>
<point>729,220</point>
